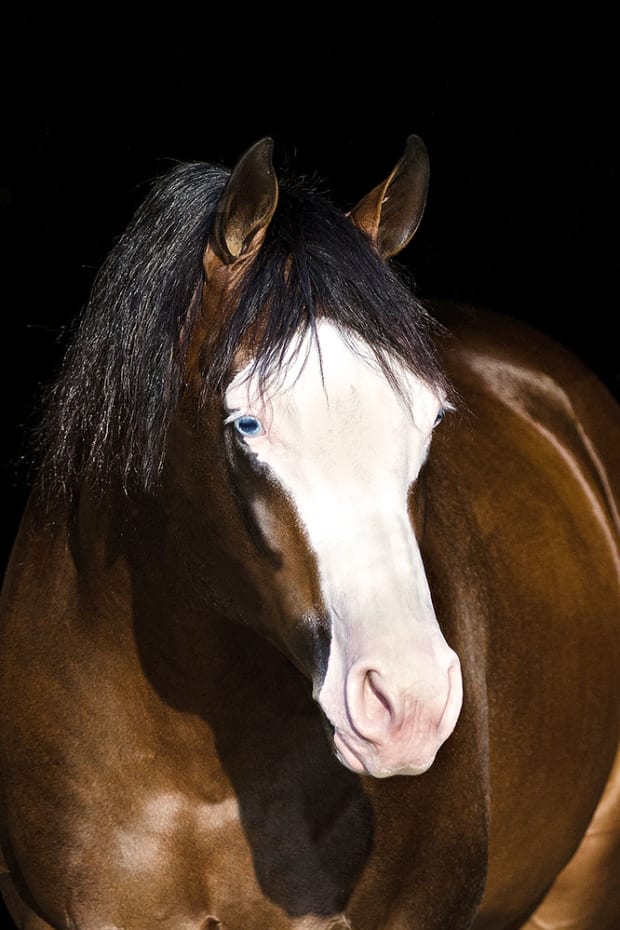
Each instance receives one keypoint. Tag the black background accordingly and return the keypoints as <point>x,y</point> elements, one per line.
<point>518,105</point>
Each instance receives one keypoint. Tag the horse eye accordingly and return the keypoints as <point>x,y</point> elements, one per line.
<point>248,426</point>
<point>440,415</point>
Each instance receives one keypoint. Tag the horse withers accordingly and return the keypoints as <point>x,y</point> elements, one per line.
<point>312,620</point>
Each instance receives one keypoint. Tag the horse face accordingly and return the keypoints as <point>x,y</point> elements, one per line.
<point>334,451</point>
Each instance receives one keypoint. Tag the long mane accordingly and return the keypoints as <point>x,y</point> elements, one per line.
<point>106,417</point>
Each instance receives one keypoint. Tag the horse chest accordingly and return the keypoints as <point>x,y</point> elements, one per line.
<point>179,863</point>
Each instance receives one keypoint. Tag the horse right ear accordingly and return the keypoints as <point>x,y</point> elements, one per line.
<point>391,213</point>
<point>245,208</point>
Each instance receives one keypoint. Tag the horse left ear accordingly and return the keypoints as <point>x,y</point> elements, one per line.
<point>391,213</point>
<point>245,207</point>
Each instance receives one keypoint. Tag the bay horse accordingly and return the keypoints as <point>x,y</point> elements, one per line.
<point>273,659</point>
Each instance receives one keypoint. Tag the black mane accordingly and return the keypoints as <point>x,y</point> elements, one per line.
<point>106,417</point>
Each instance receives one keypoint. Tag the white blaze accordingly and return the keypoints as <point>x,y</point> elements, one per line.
<point>346,447</point>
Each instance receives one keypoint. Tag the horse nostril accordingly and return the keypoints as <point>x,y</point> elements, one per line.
<point>371,712</point>
<point>376,701</point>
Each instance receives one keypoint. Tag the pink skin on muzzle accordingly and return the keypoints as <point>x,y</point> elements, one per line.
<point>393,720</point>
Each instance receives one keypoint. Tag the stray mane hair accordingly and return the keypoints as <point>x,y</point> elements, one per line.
<point>105,419</point>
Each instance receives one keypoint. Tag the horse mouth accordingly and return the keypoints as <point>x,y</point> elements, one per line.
<point>366,759</point>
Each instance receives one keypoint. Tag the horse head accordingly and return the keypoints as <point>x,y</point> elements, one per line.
<point>321,451</point>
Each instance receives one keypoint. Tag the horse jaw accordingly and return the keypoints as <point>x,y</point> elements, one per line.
<point>345,448</point>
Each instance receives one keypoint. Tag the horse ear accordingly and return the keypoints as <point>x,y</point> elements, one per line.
<point>391,213</point>
<point>245,207</point>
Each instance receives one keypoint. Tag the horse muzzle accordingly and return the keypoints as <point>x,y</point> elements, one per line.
<point>386,723</point>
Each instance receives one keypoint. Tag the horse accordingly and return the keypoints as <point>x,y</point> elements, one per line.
<point>312,619</point>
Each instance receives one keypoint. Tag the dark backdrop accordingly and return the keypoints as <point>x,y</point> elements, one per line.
<point>518,109</point>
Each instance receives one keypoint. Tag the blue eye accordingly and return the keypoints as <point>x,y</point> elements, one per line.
<point>249,427</point>
<point>440,415</point>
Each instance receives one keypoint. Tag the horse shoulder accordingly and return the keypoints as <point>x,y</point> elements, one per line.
<point>525,480</point>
